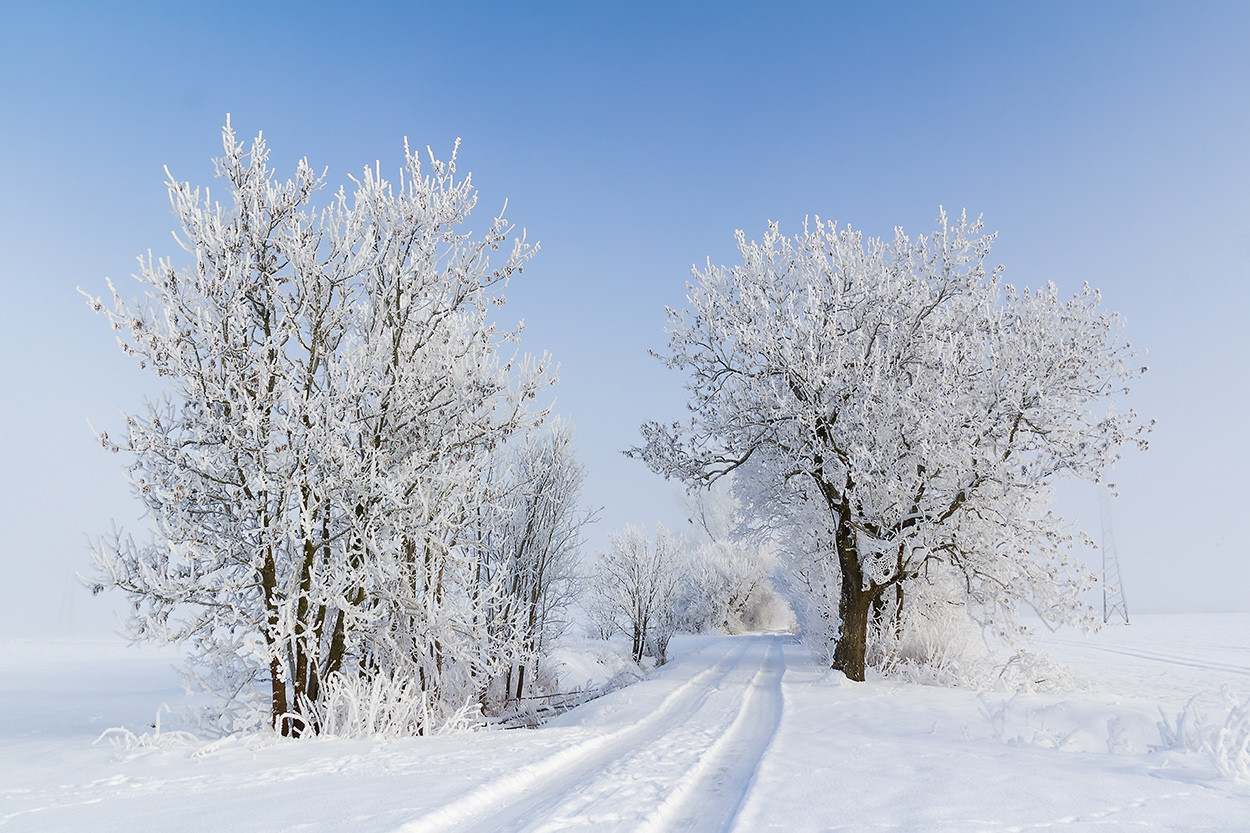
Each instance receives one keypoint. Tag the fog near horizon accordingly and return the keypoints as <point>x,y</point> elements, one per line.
<point>1103,144</point>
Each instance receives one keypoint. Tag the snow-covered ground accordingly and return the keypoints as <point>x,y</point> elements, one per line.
<point>742,733</point>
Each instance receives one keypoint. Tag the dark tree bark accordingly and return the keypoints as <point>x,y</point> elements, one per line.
<point>855,604</point>
<point>277,685</point>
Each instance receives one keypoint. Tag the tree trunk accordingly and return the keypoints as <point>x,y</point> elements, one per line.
<point>852,648</point>
<point>854,607</point>
<point>898,605</point>
<point>277,685</point>
<point>306,643</point>
<point>277,690</point>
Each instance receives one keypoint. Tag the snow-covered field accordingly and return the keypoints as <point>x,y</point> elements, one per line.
<point>742,733</point>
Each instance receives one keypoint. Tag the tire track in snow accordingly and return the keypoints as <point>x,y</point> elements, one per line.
<point>673,781</point>
<point>547,780</point>
<point>1171,659</point>
<point>708,798</point>
<point>669,780</point>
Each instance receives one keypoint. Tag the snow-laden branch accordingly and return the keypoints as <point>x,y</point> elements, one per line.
<point>333,480</point>
<point>897,415</point>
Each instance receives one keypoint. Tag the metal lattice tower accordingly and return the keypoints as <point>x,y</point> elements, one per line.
<point>1113,603</point>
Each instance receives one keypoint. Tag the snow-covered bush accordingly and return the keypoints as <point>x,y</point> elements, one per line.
<point>1188,733</point>
<point>1227,744</point>
<point>927,638</point>
<point>127,745</point>
<point>327,479</point>
<point>387,707</point>
<point>1230,743</point>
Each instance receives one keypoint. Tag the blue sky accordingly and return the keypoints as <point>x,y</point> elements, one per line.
<point>1106,142</point>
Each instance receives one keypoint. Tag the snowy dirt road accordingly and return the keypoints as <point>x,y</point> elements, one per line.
<point>675,752</point>
<point>681,763</point>
<point>737,734</point>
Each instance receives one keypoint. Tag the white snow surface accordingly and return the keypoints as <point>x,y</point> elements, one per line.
<point>739,733</point>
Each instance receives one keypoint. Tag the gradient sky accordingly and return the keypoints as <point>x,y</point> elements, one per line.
<point>1104,142</point>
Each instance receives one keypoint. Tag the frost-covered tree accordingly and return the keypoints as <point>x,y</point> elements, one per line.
<point>314,477</point>
<point>535,557</point>
<point>728,584</point>
<point>636,588</point>
<point>895,414</point>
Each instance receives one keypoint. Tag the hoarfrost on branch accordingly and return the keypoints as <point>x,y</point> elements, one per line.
<point>894,415</point>
<point>327,480</point>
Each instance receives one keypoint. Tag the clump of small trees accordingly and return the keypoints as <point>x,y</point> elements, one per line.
<point>351,490</point>
<point>729,583</point>
<point>894,416</point>
<point>716,581</point>
<point>535,554</point>
<point>636,587</point>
